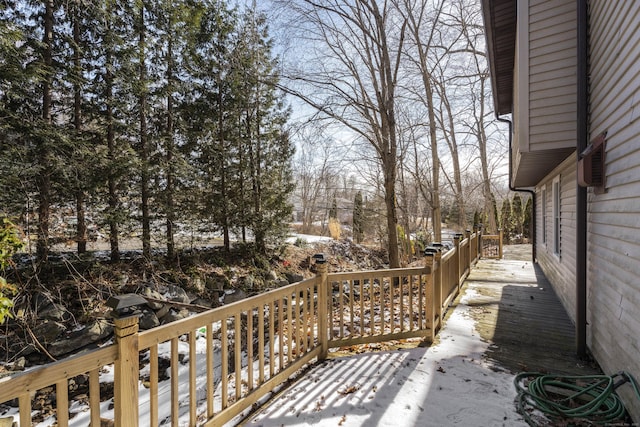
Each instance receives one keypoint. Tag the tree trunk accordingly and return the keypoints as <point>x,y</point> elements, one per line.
<point>43,178</point>
<point>223,174</point>
<point>389,166</point>
<point>81,227</point>
<point>453,147</point>
<point>144,139</point>
<point>111,150</point>
<point>427,83</point>
<point>435,159</point>
<point>486,179</point>
<point>170,147</point>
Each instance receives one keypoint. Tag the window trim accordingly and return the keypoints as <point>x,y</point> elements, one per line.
<point>543,195</point>
<point>557,216</point>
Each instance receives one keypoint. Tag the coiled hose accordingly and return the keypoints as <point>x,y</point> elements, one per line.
<point>589,398</point>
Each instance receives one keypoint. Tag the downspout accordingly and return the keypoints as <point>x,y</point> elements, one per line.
<point>581,192</point>
<point>522,190</point>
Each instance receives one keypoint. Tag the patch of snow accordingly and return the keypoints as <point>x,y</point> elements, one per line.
<point>449,383</point>
<point>309,238</point>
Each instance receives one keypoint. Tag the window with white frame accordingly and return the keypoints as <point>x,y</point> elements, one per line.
<point>556,215</point>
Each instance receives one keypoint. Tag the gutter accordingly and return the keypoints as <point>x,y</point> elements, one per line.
<point>581,192</point>
<point>522,190</point>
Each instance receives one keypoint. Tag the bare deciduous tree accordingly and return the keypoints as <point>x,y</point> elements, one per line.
<point>351,77</point>
<point>313,175</point>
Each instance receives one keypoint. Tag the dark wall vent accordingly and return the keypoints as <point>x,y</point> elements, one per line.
<point>591,164</point>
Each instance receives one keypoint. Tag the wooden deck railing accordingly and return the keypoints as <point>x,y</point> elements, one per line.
<point>492,245</point>
<point>250,346</point>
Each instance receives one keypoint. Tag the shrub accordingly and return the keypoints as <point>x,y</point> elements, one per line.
<point>10,243</point>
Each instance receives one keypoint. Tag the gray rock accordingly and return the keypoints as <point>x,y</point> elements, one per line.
<point>174,315</point>
<point>197,283</point>
<point>18,365</point>
<point>150,293</point>
<point>148,320</point>
<point>192,296</point>
<point>177,294</point>
<point>48,331</point>
<point>164,310</point>
<point>55,312</point>
<point>23,349</point>
<point>95,331</point>
<point>272,275</point>
<point>238,295</point>
<point>216,281</point>
<point>294,278</point>
<point>249,281</point>
<point>202,302</point>
<point>40,301</point>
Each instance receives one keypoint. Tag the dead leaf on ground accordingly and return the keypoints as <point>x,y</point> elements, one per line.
<point>349,389</point>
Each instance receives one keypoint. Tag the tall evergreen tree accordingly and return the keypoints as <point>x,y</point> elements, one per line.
<point>34,143</point>
<point>114,99</point>
<point>268,147</point>
<point>528,215</point>
<point>517,215</point>
<point>175,23</point>
<point>506,217</point>
<point>143,139</point>
<point>211,102</point>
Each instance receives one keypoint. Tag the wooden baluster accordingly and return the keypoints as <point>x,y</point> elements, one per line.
<point>94,396</point>
<point>250,348</point>
<point>153,385</point>
<point>175,393</point>
<point>62,403</point>
<point>237,339</point>
<point>210,372</point>
<point>261,344</point>
<point>192,379</point>
<point>224,355</point>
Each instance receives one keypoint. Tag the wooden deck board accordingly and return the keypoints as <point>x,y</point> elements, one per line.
<point>516,308</point>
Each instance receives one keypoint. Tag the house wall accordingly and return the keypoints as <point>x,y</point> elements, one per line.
<point>559,269</point>
<point>552,74</point>
<point>614,217</point>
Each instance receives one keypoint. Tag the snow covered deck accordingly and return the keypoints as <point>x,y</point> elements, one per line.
<point>507,319</point>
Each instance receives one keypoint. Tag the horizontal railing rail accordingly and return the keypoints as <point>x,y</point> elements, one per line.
<point>212,366</point>
<point>359,301</point>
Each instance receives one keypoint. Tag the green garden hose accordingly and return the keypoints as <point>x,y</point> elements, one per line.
<point>590,398</point>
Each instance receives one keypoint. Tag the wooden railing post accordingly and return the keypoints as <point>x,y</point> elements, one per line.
<point>467,234</point>
<point>500,244</point>
<point>430,311</point>
<point>458,268</point>
<point>126,372</point>
<point>437,283</point>
<point>323,306</point>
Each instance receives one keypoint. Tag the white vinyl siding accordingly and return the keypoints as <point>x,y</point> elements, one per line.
<point>552,74</point>
<point>614,217</point>
<point>560,270</point>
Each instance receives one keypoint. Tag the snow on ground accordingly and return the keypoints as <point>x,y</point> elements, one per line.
<point>309,238</point>
<point>449,383</point>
